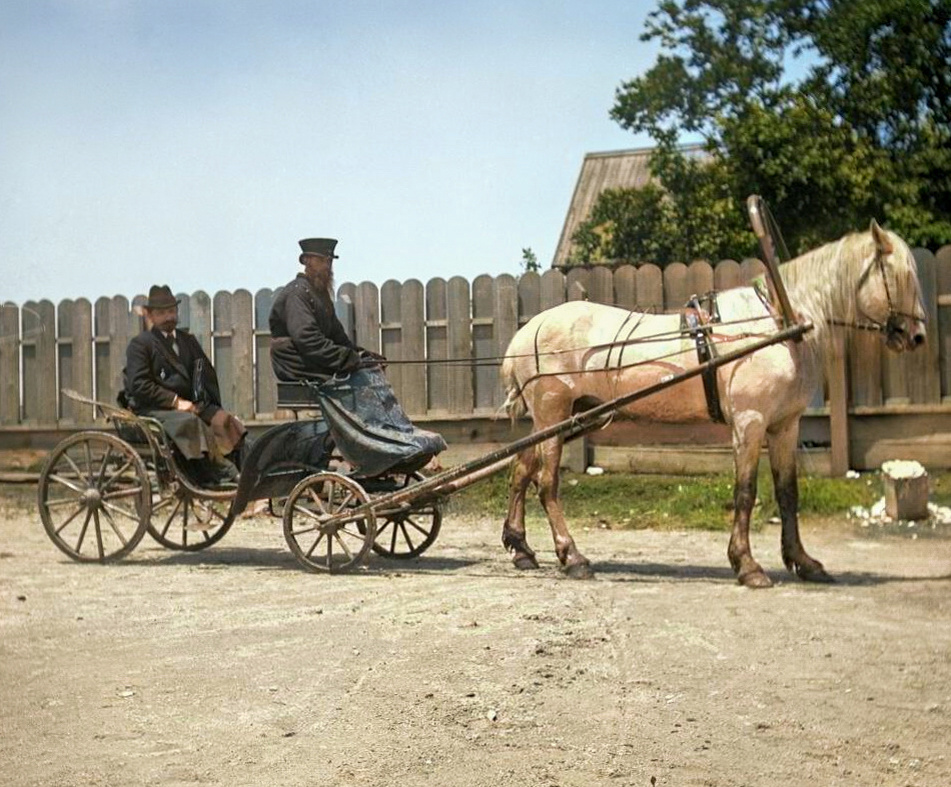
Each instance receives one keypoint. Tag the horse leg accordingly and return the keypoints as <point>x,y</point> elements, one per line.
<point>576,565</point>
<point>782,462</point>
<point>747,440</point>
<point>513,530</point>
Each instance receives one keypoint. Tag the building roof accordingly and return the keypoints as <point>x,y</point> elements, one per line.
<point>613,169</point>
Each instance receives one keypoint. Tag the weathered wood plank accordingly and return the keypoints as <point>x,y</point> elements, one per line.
<point>529,296</point>
<point>104,347</point>
<point>483,340</point>
<point>75,359</point>
<point>940,333</point>
<point>506,320</point>
<point>700,278</point>
<point>366,313</point>
<point>39,362</point>
<point>459,333</point>
<point>222,342</point>
<point>727,275</point>
<point>9,364</point>
<point>676,290</point>
<point>923,365</point>
<point>197,308</point>
<point>650,289</point>
<point>625,287</point>
<point>437,342</point>
<point>344,306</point>
<point>553,289</point>
<point>265,383</point>
<point>578,284</point>
<point>242,349</point>
<point>412,309</point>
<point>601,284</point>
<point>391,333</point>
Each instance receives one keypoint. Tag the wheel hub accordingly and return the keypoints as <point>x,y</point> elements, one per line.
<point>92,498</point>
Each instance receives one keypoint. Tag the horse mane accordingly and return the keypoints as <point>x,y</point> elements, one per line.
<point>822,283</point>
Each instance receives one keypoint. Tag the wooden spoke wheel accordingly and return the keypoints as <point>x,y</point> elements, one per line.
<point>321,529</point>
<point>187,520</point>
<point>407,534</point>
<point>94,497</point>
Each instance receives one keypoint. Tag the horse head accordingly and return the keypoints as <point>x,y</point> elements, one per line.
<point>889,294</point>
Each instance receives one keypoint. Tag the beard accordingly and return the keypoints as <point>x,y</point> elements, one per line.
<point>324,282</point>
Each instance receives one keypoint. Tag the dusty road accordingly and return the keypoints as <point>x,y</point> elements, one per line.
<point>234,667</point>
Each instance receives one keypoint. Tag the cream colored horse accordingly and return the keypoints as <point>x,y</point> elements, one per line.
<point>579,353</point>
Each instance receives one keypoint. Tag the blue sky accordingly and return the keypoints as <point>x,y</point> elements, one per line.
<point>194,142</point>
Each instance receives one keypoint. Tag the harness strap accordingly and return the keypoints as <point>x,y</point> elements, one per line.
<point>706,351</point>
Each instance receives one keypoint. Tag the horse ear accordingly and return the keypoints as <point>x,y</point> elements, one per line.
<point>881,238</point>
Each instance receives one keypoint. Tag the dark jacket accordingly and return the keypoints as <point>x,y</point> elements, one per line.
<point>307,340</point>
<point>154,375</point>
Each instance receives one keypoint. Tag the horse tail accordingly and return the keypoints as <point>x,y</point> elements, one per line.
<point>514,404</point>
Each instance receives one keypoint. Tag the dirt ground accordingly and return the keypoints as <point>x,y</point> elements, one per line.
<point>235,667</point>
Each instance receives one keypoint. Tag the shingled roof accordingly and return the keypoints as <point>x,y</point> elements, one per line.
<point>613,169</point>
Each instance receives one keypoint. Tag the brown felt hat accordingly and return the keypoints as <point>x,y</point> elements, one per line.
<point>160,297</point>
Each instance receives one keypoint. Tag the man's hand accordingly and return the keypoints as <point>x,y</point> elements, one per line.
<point>369,358</point>
<point>184,405</point>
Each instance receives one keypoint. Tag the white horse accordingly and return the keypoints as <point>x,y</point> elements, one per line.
<point>577,354</point>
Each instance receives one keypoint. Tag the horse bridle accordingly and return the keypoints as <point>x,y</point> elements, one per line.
<point>893,321</point>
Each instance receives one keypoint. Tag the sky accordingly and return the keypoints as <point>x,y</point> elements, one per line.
<point>193,142</point>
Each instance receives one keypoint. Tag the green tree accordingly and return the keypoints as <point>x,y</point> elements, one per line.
<point>864,132</point>
<point>530,260</point>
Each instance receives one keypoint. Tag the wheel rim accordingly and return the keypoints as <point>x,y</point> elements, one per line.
<point>318,525</point>
<point>94,497</point>
<point>407,534</point>
<point>186,521</point>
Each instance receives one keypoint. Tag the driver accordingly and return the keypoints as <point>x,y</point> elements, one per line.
<point>308,341</point>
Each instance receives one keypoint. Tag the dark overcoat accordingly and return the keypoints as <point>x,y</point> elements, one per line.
<point>154,374</point>
<point>308,342</point>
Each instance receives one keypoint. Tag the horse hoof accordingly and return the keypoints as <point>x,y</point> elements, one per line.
<point>814,574</point>
<point>579,571</point>
<point>525,563</point>
<point>755,580</point>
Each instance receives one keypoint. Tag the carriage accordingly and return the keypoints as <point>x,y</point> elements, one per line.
<point>350,481</point>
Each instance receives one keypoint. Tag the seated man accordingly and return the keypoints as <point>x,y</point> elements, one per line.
<point>308,342</point>
<point>168,377</point>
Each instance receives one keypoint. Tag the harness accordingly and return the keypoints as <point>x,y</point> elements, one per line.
<point>697,321</point>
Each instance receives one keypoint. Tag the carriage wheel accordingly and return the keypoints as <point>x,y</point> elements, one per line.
<point>94,497</point>
<point>318,525</point>
<point>186,521</point>
<point>407,534</point>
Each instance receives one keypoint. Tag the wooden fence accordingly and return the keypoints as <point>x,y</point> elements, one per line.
<point>81,345</point>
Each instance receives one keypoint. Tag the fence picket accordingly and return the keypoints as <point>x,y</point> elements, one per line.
<point>412,303</point>
<point>483,340</point>
<point>391,333</point>
<point>437,345</point>
<point>553,289</point>
<point>265,383</point>
<point>9,364</point>
<point>940,333</point>
<point>459,334</point>
<point>506,321</point>
<point>675,286</point>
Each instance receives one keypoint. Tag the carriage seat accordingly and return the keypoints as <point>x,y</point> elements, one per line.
<point>296,395</point>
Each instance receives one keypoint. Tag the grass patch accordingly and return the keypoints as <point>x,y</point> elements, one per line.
<point>682,502</point>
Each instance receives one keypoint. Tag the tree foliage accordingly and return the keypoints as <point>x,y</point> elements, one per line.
<point>836,111</point>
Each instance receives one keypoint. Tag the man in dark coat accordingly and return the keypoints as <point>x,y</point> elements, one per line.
<point>168,377</point>
<point>308,342</point>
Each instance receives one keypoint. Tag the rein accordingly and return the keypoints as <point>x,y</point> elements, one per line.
<point>496,360</point>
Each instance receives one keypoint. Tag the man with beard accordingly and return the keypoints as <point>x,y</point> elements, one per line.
<point>168,377</point>
<point>308,342</point>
